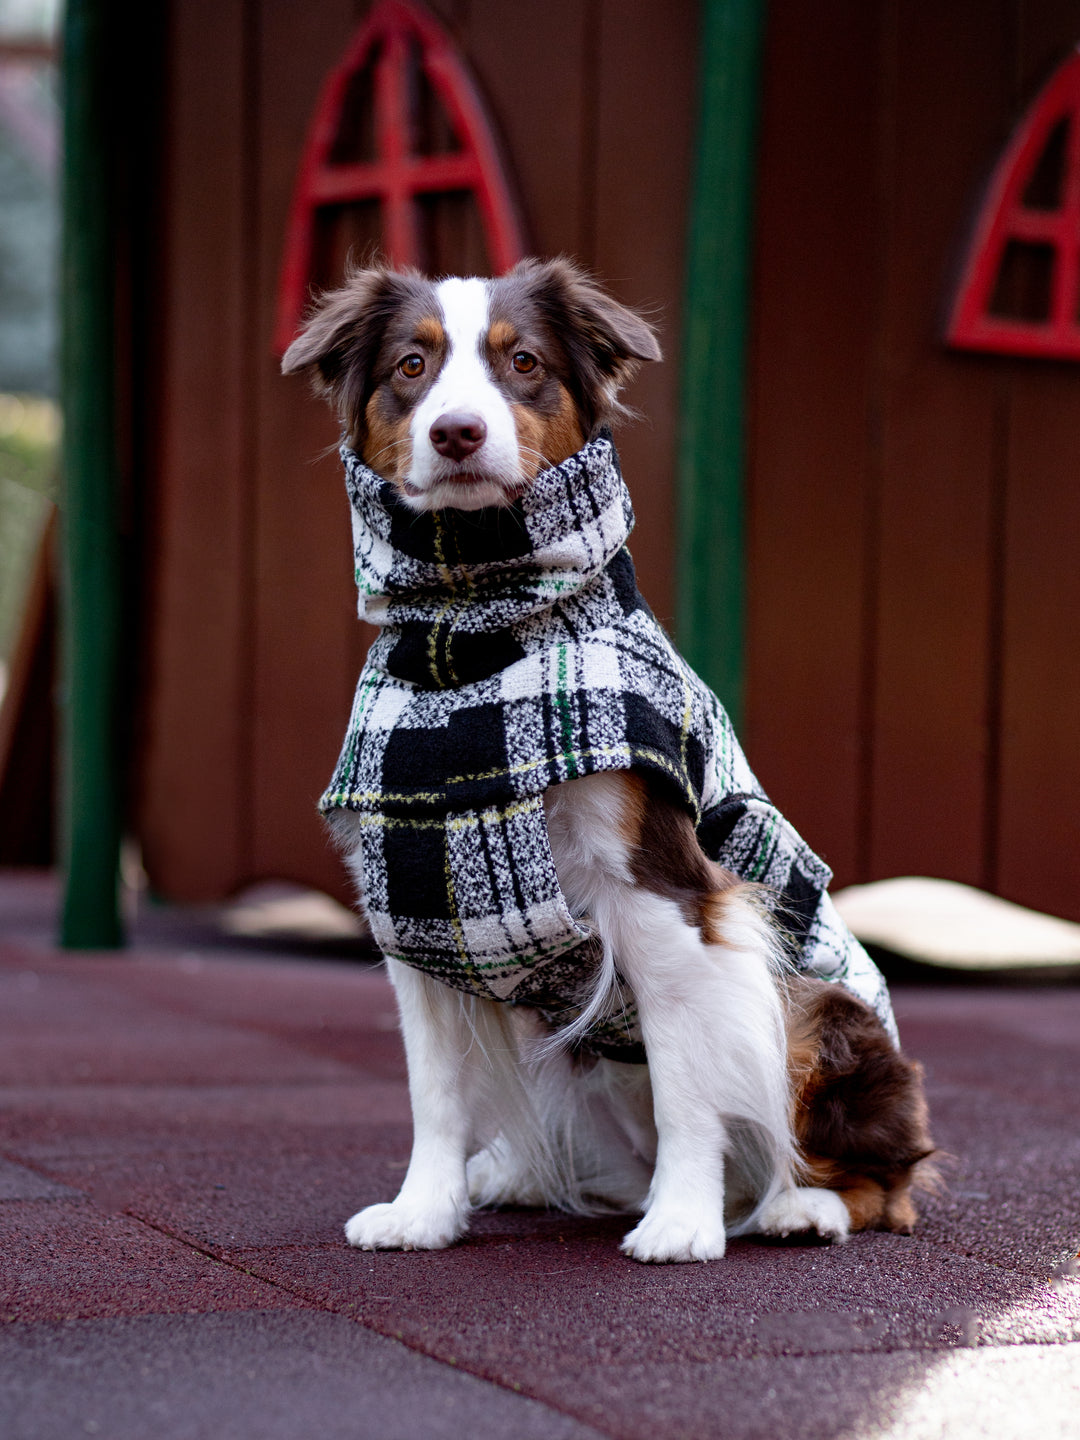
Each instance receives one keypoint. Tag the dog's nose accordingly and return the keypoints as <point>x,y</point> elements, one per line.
<point>457,435</point>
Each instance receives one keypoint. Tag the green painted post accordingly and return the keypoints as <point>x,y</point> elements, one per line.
<point>711,567</point>
<point>92,561</point>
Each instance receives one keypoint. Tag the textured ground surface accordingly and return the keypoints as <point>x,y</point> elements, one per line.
<point>184,1126</point>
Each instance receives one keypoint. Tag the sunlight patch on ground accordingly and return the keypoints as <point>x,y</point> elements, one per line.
<point>1011,1393</point>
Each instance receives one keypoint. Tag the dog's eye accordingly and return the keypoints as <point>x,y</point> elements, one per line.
<point>523,362</point>
<point>412,366</point>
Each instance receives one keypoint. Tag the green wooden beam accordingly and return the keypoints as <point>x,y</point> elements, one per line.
<point>710,593</point>
<point>92,587</point>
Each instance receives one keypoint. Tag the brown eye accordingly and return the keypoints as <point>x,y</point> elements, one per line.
<point>412,366</point>
<point>523,362</point>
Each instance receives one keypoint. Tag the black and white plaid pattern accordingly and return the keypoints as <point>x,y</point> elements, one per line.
<point>516,652</point>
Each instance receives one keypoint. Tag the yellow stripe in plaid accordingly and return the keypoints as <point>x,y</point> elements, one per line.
<point>626,755</point>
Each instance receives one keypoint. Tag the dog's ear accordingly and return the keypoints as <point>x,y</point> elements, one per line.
<point>339,342</point>
<point>605,342</point>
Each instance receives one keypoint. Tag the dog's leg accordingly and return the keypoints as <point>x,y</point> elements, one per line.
<point>684,1216</point>
<point>445,1076</point>
<point>710,1018</point>
<point>711,1036</point>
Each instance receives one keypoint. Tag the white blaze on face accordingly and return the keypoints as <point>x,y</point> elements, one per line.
<point>492,473</point>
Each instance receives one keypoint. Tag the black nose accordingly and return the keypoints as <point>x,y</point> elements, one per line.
<point>457,435</point>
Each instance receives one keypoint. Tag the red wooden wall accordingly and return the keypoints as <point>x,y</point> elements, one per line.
<point>253,645</point>
<point>913,665</point>
<point>914,650</point>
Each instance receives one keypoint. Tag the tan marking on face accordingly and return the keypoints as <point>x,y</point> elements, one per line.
<point>387,443</point>
<point>429,332</point>
<point>529,427</point>
<point>547,440</point>
<point>501,335</point>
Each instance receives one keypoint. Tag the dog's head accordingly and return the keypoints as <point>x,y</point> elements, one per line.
<point>461,391</point>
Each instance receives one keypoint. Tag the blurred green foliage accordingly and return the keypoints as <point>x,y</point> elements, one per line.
<point>29,438</point>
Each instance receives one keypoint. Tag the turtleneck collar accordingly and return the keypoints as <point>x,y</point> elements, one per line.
<point>479,572</point>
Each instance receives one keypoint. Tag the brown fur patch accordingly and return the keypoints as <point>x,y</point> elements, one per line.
<point>632,816</point>
<point>502,334</point>
<point>387,444</point>
<point>900,1212</point>
<point>666,859</point>
<point>429,332</point>
<point>712,908</point>
<point>858,1107</point>
<point>863,1198</point>
<point>546,440</point>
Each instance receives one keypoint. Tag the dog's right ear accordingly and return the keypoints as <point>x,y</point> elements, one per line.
<point>340,339</point>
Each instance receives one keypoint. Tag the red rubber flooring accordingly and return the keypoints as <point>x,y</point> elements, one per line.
<point>184,1126</point>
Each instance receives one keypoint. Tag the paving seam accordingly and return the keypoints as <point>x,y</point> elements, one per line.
<point>222,1257</point>
<point>512,1388</point>
<point>478,1373</point>
<point>36,1168</point>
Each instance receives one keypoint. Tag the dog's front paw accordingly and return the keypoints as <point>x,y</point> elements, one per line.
<point>666,1236</point>
<point>806,1209</point>
<point>396,1226</point>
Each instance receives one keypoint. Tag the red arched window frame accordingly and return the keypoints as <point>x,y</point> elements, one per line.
<point>1019,293</point>
<point>397,174</point>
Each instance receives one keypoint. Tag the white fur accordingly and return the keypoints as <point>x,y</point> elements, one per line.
<point>699,1138</point>
<point>463,384</point>
<point>711,1021</point>
<point>806,1208</point>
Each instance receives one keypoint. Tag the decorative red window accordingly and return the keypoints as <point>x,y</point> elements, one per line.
<point>399,125</point>
<point>1020,290</point>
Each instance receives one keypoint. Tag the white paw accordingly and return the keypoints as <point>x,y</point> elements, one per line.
<point>400,1227</point>
<point>669,1236</point>
<point>806,1209</point>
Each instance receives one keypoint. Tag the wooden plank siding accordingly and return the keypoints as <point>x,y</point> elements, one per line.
<point>913,684</point>
<point>194,705</point>
<point>808,526</point>
<point>1037,851</point>
<point>914,680</point>
<point>927,791</point>
<point>306,639</point>
<point>253,647</point>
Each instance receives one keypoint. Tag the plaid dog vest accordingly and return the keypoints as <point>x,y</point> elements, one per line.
<point>516,652</point>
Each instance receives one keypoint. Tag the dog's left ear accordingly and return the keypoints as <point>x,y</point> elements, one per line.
<point>340,338</point>
<point>605,341</point>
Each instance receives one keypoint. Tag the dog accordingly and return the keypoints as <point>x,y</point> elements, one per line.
<point>622,986</point>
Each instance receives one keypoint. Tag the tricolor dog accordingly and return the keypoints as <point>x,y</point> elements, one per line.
<point>621,981</point>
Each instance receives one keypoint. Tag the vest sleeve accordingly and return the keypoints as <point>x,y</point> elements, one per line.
<point>763,847</point>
